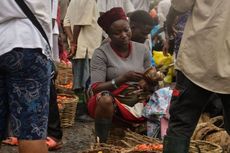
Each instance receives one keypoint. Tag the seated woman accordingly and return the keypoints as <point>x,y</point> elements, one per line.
<point>117,79</point>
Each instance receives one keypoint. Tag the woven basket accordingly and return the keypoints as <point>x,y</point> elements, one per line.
<point>204,129</point>
<point>65,75</point>
<point>221,138</point>
<point>68,109</point>
<point>199,146</point>
<point>212,132</point>
<point>217,121</point>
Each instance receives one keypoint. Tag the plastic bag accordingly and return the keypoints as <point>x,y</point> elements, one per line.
<point>163,63</point>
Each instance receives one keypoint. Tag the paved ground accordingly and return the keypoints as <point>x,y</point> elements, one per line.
<point>75,139</point>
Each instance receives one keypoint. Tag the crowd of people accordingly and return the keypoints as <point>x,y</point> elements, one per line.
<point>109,44</point>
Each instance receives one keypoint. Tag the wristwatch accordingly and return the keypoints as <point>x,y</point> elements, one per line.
<point>114,83</point>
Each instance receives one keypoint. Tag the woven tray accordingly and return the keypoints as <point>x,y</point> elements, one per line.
<point>104,148</point>
<point>67,109</point>
<point>147,148</point>
<point>128,139</point>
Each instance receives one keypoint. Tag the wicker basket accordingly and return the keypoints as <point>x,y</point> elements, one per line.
<point>199,146</point>
<point>204,129</point>
<point>65,76</point>
<point>217,121</point>
<point>68,109</point>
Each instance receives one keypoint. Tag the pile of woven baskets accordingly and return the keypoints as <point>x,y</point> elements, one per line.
<point>67,101</point>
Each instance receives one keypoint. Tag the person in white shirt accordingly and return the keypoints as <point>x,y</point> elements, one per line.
<point>63,6</point>
<point>85,36</point>
<point>25,72</point>
<point>162,10</point>
<point>55,50</point>
<point>203,68</point>
<point>141,4</point>
<point>105,5</point>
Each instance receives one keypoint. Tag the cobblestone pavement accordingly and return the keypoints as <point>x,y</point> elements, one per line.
<point>75,139</point>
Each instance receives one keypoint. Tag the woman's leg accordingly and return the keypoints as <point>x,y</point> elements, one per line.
<point>103,116</point>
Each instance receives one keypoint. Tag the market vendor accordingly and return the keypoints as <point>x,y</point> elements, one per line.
<point>117,79</point>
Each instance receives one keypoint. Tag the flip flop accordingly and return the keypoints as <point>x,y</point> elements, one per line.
<point>53,144</point>
<point>13,141</point>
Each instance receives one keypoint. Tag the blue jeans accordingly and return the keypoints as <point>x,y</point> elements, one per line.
<point>24,93</point>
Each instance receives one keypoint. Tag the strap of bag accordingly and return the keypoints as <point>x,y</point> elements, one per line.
<point>33,19</point>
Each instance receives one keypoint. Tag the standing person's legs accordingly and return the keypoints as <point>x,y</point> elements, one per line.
<point>226,107</point>
<point>77,85</point>
<point>187,104</point>
<point>81,75</point>
<point>27,82</point>
<point>54,123</point>
<point>3,106</point>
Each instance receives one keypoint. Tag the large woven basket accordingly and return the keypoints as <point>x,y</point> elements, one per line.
<point>65,77</point>
<point>199,146</point>
<point>67,109</point>
<point>212,132</point>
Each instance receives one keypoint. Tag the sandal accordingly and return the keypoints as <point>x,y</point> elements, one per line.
<point>53,144</point>
<point>13,141</point>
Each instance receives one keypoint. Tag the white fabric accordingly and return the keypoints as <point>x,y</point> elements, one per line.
<point>162,10</point>
<point>91,34</point>
<point>105,5</point>
<point>136,110</point>
<point>55,50</point>
<point>63,5</point>
<point>16,29</point>
<point>54,16</point>
<point>141,4</point>
<point>204,55</point>
<point>54,9</point>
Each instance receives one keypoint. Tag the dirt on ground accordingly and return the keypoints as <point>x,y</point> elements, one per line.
<point>75,139</point>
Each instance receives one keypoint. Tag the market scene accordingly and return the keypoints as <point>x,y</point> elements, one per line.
<point>114,76</point>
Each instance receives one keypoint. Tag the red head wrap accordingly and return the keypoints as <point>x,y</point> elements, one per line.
<point>106,20</point>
